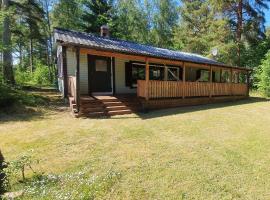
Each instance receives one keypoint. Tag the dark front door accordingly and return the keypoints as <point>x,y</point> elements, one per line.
<point>99,74</point>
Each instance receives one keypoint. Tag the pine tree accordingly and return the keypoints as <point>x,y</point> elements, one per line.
<point>8,74</point>
<point>96,14</point>
<point>131,21</point>
<point>67,14</point>
<point>201,29</point>
<point>246,19</point>
<point>165,20</point>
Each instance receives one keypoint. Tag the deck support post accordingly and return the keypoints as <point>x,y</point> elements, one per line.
<point>78,79</point>
<point>147,79</point>
<point>184,79</point>
<point>211,81</point>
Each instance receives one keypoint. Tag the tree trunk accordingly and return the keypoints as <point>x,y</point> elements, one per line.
<point>50,46</point>
<point>31,55</point>
<point>7,51</point>
<point>239,29</point>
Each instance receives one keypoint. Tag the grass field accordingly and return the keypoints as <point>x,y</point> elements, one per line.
<point>219,151</point>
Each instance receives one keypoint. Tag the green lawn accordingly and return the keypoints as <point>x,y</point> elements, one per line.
<point>219,151</point>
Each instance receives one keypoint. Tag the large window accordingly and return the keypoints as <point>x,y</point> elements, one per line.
<point>197,75</point>
<point>235,77</point>
<point>225,76</point>
<point>156,72</point>
<point>216,76</point>
<point>173,73</point>
<point>136,71</point>
<point>204,76</point>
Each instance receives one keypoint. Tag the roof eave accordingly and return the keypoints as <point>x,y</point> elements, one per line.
<point>140,54</point>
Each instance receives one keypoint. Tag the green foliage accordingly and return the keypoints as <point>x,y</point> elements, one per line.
<point>17,168</point>
<point>263,75</point>
<point>78,185</point>
<point>131,21</point>
<point>200,30</point>
<point>41,76</point>
<point>7,97</point>
<point>67,14</point>
<point>10,96</point>
<point>96,14</point>
<point>165,20</point>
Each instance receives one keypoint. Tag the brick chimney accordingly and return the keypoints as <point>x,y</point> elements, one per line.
<point>104,31</point>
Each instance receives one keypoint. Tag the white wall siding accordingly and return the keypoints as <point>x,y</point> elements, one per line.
<point>71,69</point>
<point>120,82</point>
<point>61,85</point>
<point>71,62</point>
<point>84,74</point>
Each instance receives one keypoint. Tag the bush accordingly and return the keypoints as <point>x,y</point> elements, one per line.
<point>263,75</point>
<point>40,76</point>
<point>11,96</point>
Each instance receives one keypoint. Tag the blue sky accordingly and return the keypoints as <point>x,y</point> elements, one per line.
<point>267,16</point>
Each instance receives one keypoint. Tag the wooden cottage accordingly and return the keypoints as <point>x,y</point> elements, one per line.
<point>105,76</point>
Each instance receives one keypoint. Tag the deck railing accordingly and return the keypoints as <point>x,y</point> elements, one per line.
<point>72,86</point>
<point>177,89</point>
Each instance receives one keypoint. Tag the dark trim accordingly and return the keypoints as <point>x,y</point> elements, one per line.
<point>78,79</point>
<point>151,56</point>
<point>64,61</point>
<point>113,73</point>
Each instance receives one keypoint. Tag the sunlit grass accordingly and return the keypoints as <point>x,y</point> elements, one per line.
<point>216,151</point>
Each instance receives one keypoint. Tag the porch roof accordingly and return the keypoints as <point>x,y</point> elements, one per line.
<point>115,45</point>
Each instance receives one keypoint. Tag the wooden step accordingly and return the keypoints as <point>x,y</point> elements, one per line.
<point>94,114</point>
<point>117,103</point>
<point>92,109</point>
<point>112,108</point>
<point>119,112</point>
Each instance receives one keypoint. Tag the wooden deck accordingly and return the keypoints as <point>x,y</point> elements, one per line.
<point>178,89</point>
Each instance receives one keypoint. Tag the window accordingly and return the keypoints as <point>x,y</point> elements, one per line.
<point>173,74</point>
<point>225,76</point>
<point>204,76</point>
<point>156,72</point>
<point>138,73</point>
<point>235,77</point>
<point>216,76</point>
<point>101,65</point>
<point>242,77</point>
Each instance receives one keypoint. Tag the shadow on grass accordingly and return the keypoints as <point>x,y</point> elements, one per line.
<point>187,109</point>
<point>42,102</point>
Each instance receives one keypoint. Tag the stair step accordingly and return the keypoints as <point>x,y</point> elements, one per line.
<point>94,114</point>
<point>119,112</point>
<point>117,103</point>
<point>92,109</point>
<point>112,108</point>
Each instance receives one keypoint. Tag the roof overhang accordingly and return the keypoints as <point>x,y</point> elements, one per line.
<point>143,57</point>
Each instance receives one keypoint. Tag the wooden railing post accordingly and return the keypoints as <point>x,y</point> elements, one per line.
<point>184,79</point>
<point>147,80</point>
<point>78,78</point>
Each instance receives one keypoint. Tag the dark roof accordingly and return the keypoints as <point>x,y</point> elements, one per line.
<point>110,44</point>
